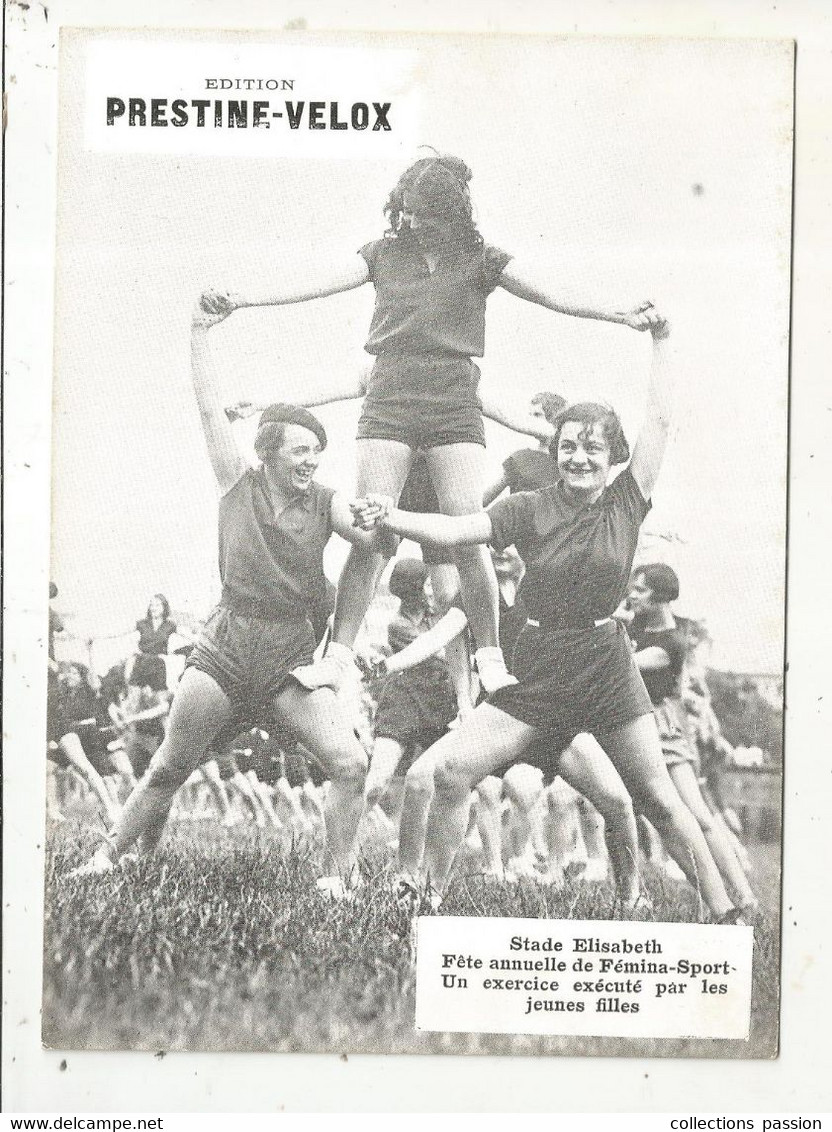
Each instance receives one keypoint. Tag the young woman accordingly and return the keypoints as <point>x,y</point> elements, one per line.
<point>583,764</point>
<point>432,272</point>
<point>156,628</point>
<point>274,522</point>
<point>572,660</point>
<point>661,648</point>
<point>415,705</point>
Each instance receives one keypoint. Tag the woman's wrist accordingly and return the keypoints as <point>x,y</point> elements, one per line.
<point>392,521</point>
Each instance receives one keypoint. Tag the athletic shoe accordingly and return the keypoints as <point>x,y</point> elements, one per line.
<point>492,671</point>
<point>98,864</point>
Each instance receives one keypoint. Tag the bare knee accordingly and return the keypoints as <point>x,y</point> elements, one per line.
<point>452,779</point>
<point>523,785</point>
<point>346,767</point>
<point>419,784</point>
<point>166,772</point>
<point>615,808</point>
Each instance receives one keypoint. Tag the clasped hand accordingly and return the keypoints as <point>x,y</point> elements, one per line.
<point>369,512</point>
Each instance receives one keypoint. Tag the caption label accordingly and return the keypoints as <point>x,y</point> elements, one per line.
<point>588,977</point>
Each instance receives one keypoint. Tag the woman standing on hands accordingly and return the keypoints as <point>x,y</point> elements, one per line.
<point>274,522</point>
<point>573,662</point>
<point>432,273</point>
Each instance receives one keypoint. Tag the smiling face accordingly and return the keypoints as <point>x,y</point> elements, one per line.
<point>292,465</point>
<point>583,457</point>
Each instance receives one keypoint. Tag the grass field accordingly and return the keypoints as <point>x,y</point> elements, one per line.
<point>223,943</point>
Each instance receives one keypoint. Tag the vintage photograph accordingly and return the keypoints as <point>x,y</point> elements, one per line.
<point>418,544</point>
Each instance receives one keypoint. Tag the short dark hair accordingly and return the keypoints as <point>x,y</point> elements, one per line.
<point>407,581</point>
<point>589,414</point>
<point>550,403</point>
<point>661,580</point>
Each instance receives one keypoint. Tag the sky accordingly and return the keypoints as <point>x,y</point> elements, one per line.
<point>626,169</point>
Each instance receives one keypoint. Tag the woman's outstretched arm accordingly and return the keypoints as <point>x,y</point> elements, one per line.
<point>294,287</point>
<point>437,530</point>
<point>345,384</point>
<point>223,452</point>
<point>528,282</point>
<point>427,644</point>
<point>518,422</point>
<point>651,444</point>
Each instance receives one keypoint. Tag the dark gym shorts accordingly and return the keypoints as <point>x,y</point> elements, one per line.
<point>250,658</point>
<point>415,707</point>
<point>423,401</point>
<point>677,743</point>
<point>571,681</point>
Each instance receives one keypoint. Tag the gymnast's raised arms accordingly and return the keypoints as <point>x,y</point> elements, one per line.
<point>651,444</point>
<point>223,451</point>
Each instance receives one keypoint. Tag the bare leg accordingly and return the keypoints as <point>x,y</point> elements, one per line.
<point>385,758</point>
<point>288,805</point>
<point>560,829</point>
<point>445,581</point>
<point>489,823</point>
<point>458,475</point>
<point>317,720</point>
<point>263,795</point>
<point>243,786</point>
<point>313,803</point>
<point>53,808</point>
<point>200,709</point>
<point>382,467</point>
<point>418,795</point>
<point>523,786</point>
<point>592,828</point>
<point>211,775</point>
<point>636,753</point>
<point>123,768</point>
<point>586,767</point>
<point>487,741</point>
<point>721,849</point>
<point>70,746</point>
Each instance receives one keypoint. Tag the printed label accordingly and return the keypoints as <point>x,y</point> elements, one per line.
<point>255,100</point>
<point>592,977</point>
